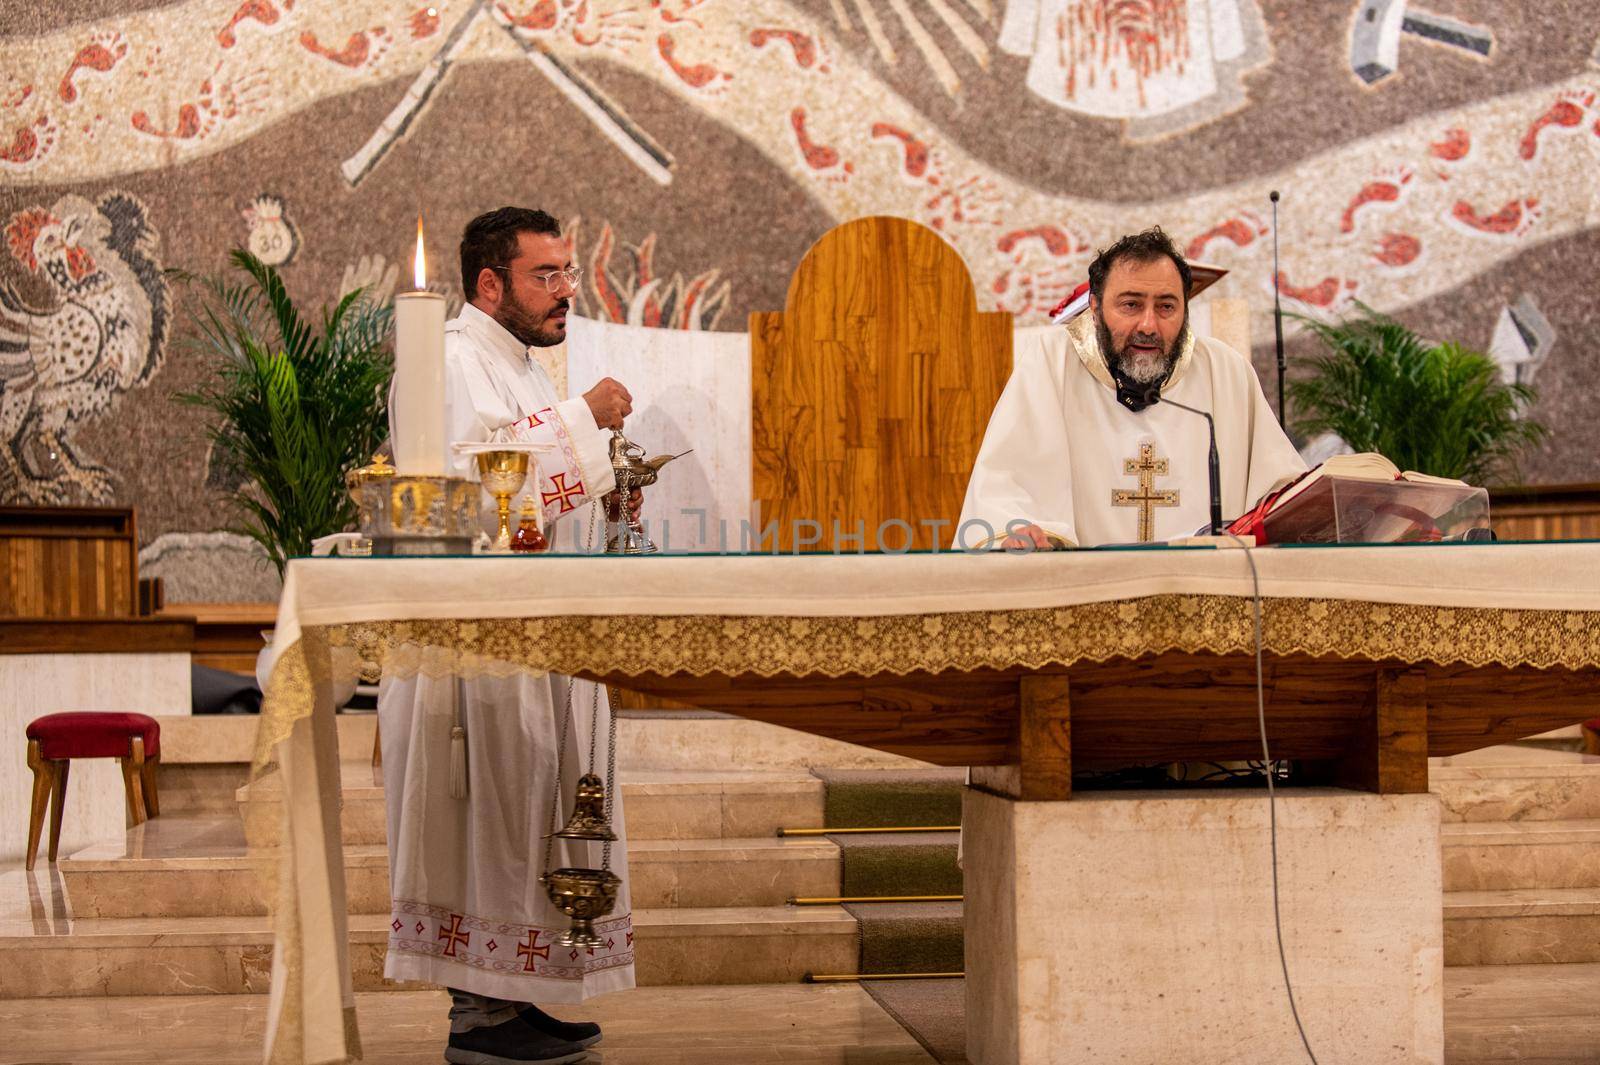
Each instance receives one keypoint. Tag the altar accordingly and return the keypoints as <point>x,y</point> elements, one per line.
<point>1031,668</point>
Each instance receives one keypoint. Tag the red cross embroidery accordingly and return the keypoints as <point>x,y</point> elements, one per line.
<point>534,421</point>
<point>564,493</point>
<point>453,936</point>
<point>531,949</point>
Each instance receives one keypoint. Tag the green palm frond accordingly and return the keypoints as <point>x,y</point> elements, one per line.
<point>1440,409</point>
<point>293,407</point>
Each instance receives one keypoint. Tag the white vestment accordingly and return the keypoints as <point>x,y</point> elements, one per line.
<point>1062,453</point>
<point>467,908</point>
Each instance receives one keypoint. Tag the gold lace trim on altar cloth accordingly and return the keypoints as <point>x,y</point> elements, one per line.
<point>906,643</point>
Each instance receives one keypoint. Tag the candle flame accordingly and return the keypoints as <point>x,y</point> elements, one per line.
<point>420,264</point>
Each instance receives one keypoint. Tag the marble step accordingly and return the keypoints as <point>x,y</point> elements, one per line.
<point>1506,855</point>
<point>233,955</point>
<point>202,868</point>
<point>1522,927</point>
<point>657,804</point>
<point>1513,783</point>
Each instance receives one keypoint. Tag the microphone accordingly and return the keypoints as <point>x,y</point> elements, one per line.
<point>1213,470</point>
<point>1277,307</point>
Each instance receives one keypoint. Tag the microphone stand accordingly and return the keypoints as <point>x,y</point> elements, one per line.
<point>1277,307</point>
<point>1212,466</point>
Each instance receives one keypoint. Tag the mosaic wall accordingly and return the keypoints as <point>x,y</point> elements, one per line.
<point>1437,163</point>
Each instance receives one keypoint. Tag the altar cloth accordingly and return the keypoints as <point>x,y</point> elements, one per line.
<point>1514,605</point>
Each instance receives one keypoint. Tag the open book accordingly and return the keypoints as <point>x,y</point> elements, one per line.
<point>1365,499</point>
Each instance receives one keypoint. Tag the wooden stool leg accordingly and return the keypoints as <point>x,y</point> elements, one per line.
<point>147,780</point>
<point>58,803</point>
<point>44,778</point>
<point>132,769</point>
<point>1591,740</point>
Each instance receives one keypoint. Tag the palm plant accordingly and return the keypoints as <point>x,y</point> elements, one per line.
<point>1440,409</point>
<point>294,406</point>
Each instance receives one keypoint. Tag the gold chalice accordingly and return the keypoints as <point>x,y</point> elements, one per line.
<point>502,474</point>
<point>585,895</point>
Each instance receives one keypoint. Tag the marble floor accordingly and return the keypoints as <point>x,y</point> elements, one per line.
<point>753,1025</point>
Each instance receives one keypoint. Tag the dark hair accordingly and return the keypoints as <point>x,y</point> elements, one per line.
<point>1140,248</point>
<point>491,240</point>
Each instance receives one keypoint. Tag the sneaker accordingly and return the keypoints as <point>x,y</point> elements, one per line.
<point>583,1033</point>
<point>510,1043</point>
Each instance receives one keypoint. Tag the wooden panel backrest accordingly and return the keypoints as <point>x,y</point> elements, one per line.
<point>871,390</point>
<point>68,562</point>
<point>1548,512</point>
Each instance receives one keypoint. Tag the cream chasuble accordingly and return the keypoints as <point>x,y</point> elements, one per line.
<point>467,908</point>
<point>1061,452</point>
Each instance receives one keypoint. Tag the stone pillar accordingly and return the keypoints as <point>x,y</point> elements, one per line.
<point>1137,927</point>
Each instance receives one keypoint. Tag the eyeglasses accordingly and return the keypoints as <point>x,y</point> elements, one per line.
<point>552,279</point>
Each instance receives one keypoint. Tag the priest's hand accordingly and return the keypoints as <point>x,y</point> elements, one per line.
<point>635,503</point>
<point>609,402</point>
<point>1028,538</point>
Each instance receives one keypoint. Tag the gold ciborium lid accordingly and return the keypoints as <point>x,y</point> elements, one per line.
<point>378,468</point>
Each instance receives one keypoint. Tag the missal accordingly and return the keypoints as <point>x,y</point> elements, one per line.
<point>1366,499</point>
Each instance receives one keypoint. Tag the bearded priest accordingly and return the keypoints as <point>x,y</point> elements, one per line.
<point>1080,451</point>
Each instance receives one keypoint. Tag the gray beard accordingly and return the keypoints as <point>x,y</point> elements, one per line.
<point>1143,369</point>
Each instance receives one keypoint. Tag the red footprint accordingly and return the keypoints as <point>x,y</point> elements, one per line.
<point>424,22</point>
<point>93,56</point>
<point>262,11</point>
<point>916,164</point>
<point>542,16</point>
<point>1397,249</point>
<point>1380,190</point>
<point>1325,293</point>
<point>1516,217</point>
<point>818,156</point>
<point>355,52</point>
<point>24,144</point>
<point>805,49</point>
<point>188,126</point>
<point>1056,240</point>
<point>1242,231</point>
<point>1566,113</point>
<point>697,76</point>
<point>1455,146</point>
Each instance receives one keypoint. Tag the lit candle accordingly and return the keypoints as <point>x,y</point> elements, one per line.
<point>418,397</point>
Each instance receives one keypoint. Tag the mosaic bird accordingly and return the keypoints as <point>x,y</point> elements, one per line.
<point>103,334</point>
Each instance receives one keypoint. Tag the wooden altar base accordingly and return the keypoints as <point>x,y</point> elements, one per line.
<point>1125,927</point>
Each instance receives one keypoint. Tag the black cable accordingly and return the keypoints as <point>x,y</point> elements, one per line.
<point>1272,794</point>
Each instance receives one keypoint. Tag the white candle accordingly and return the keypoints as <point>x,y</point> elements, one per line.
<point>418,396</point>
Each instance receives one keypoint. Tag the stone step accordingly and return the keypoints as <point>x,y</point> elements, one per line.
<point>233,955</point>
<point>1506,855</point>
<point>202,868</point>
<point>657,804</point>
<point>1514,783</point>
<point>1522,927</point>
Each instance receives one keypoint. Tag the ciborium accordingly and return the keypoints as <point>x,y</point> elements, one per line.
<point>502,474</point>
<point>584,895</point>
<point>626,535</point>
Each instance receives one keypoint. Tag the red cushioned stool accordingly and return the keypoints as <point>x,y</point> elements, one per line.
<point>55,739</point>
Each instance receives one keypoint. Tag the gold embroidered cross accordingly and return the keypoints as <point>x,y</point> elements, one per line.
<point>1147,467</point>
